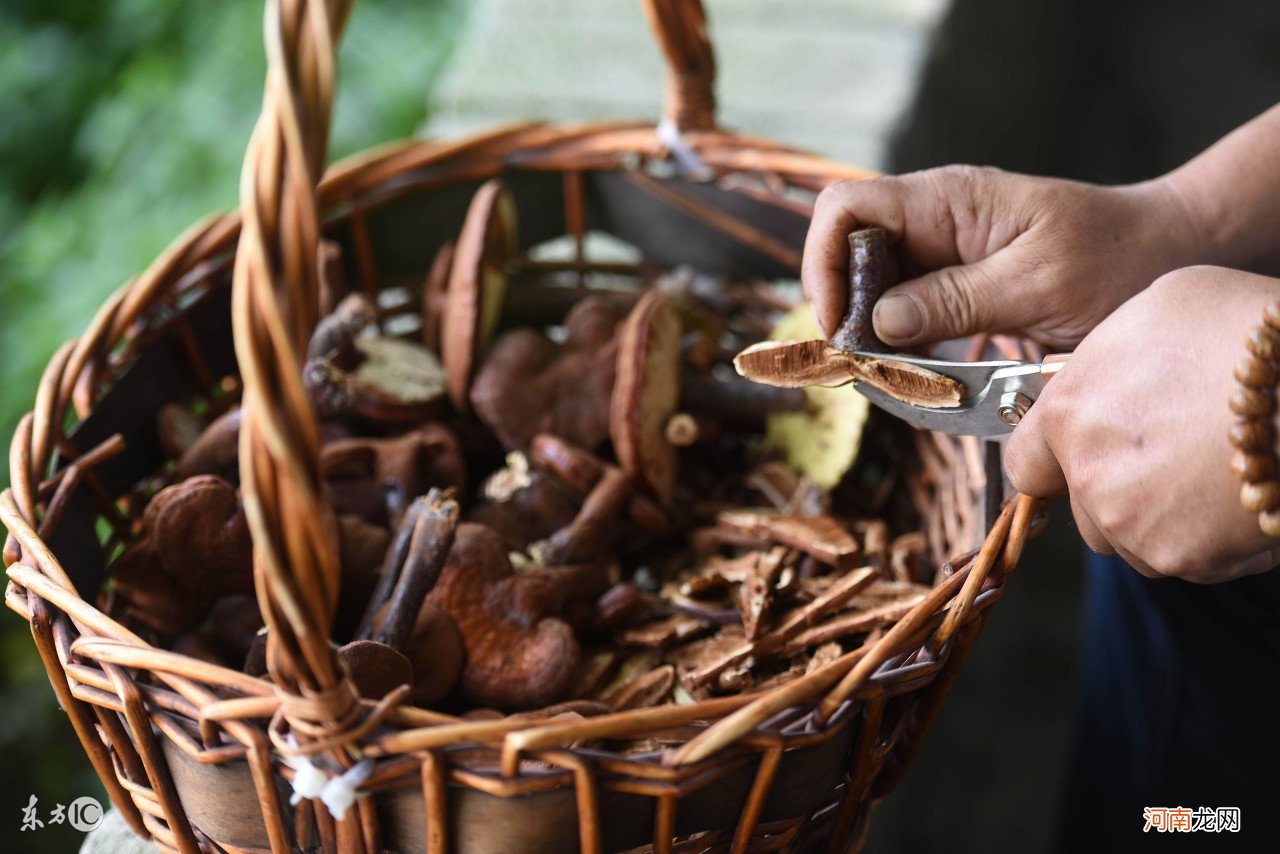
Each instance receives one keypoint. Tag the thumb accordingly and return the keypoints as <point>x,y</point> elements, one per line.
<point>1030,460</point>
<point>949,303</point>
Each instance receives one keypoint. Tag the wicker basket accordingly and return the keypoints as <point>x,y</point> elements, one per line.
<point>194,755</point>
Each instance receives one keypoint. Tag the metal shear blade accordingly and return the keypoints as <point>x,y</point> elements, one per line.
<point>996,395</point>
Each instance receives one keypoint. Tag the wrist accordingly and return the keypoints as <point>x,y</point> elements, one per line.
<point>1178,223</point>
<point>1209,231</point>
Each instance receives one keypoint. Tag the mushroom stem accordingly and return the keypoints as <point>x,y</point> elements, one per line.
<point>335,334</point>
<point>581,470</point>
<point>868,278</point>
<point>737,399</point>
<point>683,430</point>
<point>412,566</point>
<point>582,538</point>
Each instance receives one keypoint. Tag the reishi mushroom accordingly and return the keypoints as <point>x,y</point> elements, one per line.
<point>201,535</point>
<point>523,503</point>
<point>514,660</point>
<point>646,393</point>
<point>528,384</point>
<point>376,478</point>
<point>371,376</point>
<point>477,282</point>
<point>842,360</point>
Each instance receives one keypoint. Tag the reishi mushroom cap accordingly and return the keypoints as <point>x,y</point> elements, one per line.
<point>201,535</point>
<point>512,663</point>
<point>477,283</point>
<point>646,393</point>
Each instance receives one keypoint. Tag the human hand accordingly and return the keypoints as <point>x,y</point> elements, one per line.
<point>988,251</point>
<point>1135,427</point>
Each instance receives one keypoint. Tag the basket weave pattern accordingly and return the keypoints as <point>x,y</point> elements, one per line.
<point>193,754</point>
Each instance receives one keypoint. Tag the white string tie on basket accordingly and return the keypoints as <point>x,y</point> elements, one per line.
<point>336,793</point>
<point>688,162</point>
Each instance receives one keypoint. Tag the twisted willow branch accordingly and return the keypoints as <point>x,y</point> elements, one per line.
<point>274,308</point>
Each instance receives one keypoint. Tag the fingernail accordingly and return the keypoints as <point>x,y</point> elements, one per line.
<point>898,316</point>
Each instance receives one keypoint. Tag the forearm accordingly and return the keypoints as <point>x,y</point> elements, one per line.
<point>1231,195</point>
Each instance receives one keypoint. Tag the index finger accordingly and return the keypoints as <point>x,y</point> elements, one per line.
<point>840,209</point>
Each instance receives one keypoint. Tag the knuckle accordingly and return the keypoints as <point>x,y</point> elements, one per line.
<point>955,298</point>
<point>966,175</point>
<point>832,196</point>
<point>1184,279</point>
<point>1171,557</point>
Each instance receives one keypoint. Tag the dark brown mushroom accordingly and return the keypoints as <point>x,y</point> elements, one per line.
<point>201,535</point>
<point>155,598</point>
<point>215,451</point>
<point>820,536</point>
<point>376,478</point>
<point>529,384</point>
<point>523,503</point>
<point>375,668</point>
<point>514,661</point>
<point>580,470</point>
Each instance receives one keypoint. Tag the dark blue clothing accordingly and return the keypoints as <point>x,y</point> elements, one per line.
<point>1179,707</point>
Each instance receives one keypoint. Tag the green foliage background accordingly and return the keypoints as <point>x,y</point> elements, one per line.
<point>120,124</point>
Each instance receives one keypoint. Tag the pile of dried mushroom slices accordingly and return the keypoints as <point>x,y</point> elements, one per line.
<point>552,492</point>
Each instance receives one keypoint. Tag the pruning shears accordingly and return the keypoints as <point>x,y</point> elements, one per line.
<point>996,394</point>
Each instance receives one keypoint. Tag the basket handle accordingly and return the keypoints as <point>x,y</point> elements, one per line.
<point>275,305</point>
<point>681,29</point>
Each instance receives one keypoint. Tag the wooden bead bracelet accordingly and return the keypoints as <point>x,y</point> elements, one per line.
<point>1253,435</point>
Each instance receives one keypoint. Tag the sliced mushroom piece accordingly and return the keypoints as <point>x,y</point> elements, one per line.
<point>820,536</point>
<point>756,593</point>
<point>854,622</point>
<point>595,670</point>
<point>646,394</point>
<point>906,555</point>
<point>477,284</point>
<point>822,440</point>
<point>835,598</point>
<point>665,632</point>
<point>644,691</point>
<point>634,666</point>
<point>799,364</point>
